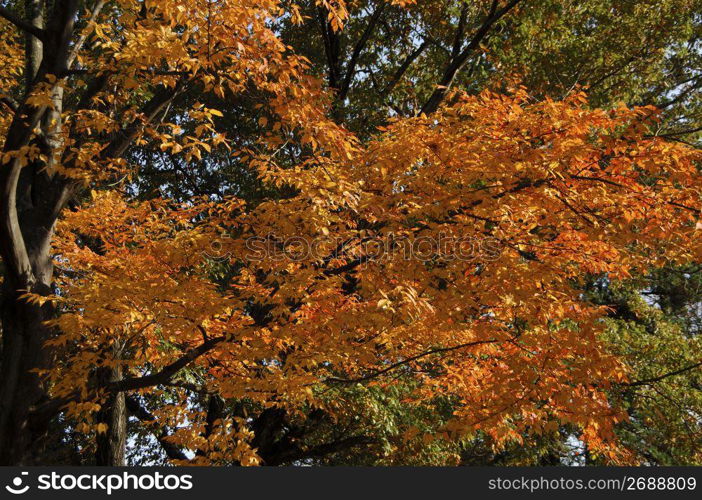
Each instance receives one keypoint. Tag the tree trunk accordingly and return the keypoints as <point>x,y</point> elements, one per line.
<point>111,443</point>
<point>31,198</point>
<point>23,337</point>
<point>34,11</point>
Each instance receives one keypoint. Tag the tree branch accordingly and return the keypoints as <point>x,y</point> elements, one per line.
<point>9,102</point>
<point>358,48</point>
<point>22,24</point>
<point>461,28</point>
<point>161,99</point>
<point>84,36</point>
<point>680,132</point>
<point>166,374</point>
<point>331,48</point>
<point>12,243</point>
<point>409,360</point>
<point>405,66</point>
<point>144,415</point>
<point>50,407</point>
<point>653,380</point>
<point>457,63</point>
<point>325,449</point>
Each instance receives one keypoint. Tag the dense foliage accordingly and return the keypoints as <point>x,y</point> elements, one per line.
<point>381,233</point>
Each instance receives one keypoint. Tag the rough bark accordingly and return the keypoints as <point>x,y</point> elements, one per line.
<point>34,11</point>
<point>25,235</point>
<point>111,443</point>
<point>31,199</point>
<point>20,386</point>
<point>30,227</point>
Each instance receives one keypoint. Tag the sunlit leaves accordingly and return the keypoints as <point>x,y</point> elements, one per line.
<point>561,190</point>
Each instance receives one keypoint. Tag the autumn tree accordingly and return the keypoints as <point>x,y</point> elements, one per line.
<point>516,352</point>
<point>636,52</point>
<point>183,313</point>
<point>393,58</point>
<point>99,77</point>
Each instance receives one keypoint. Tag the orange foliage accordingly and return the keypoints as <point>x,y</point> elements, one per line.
<point>548,191</point>
<point>557,190</point>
